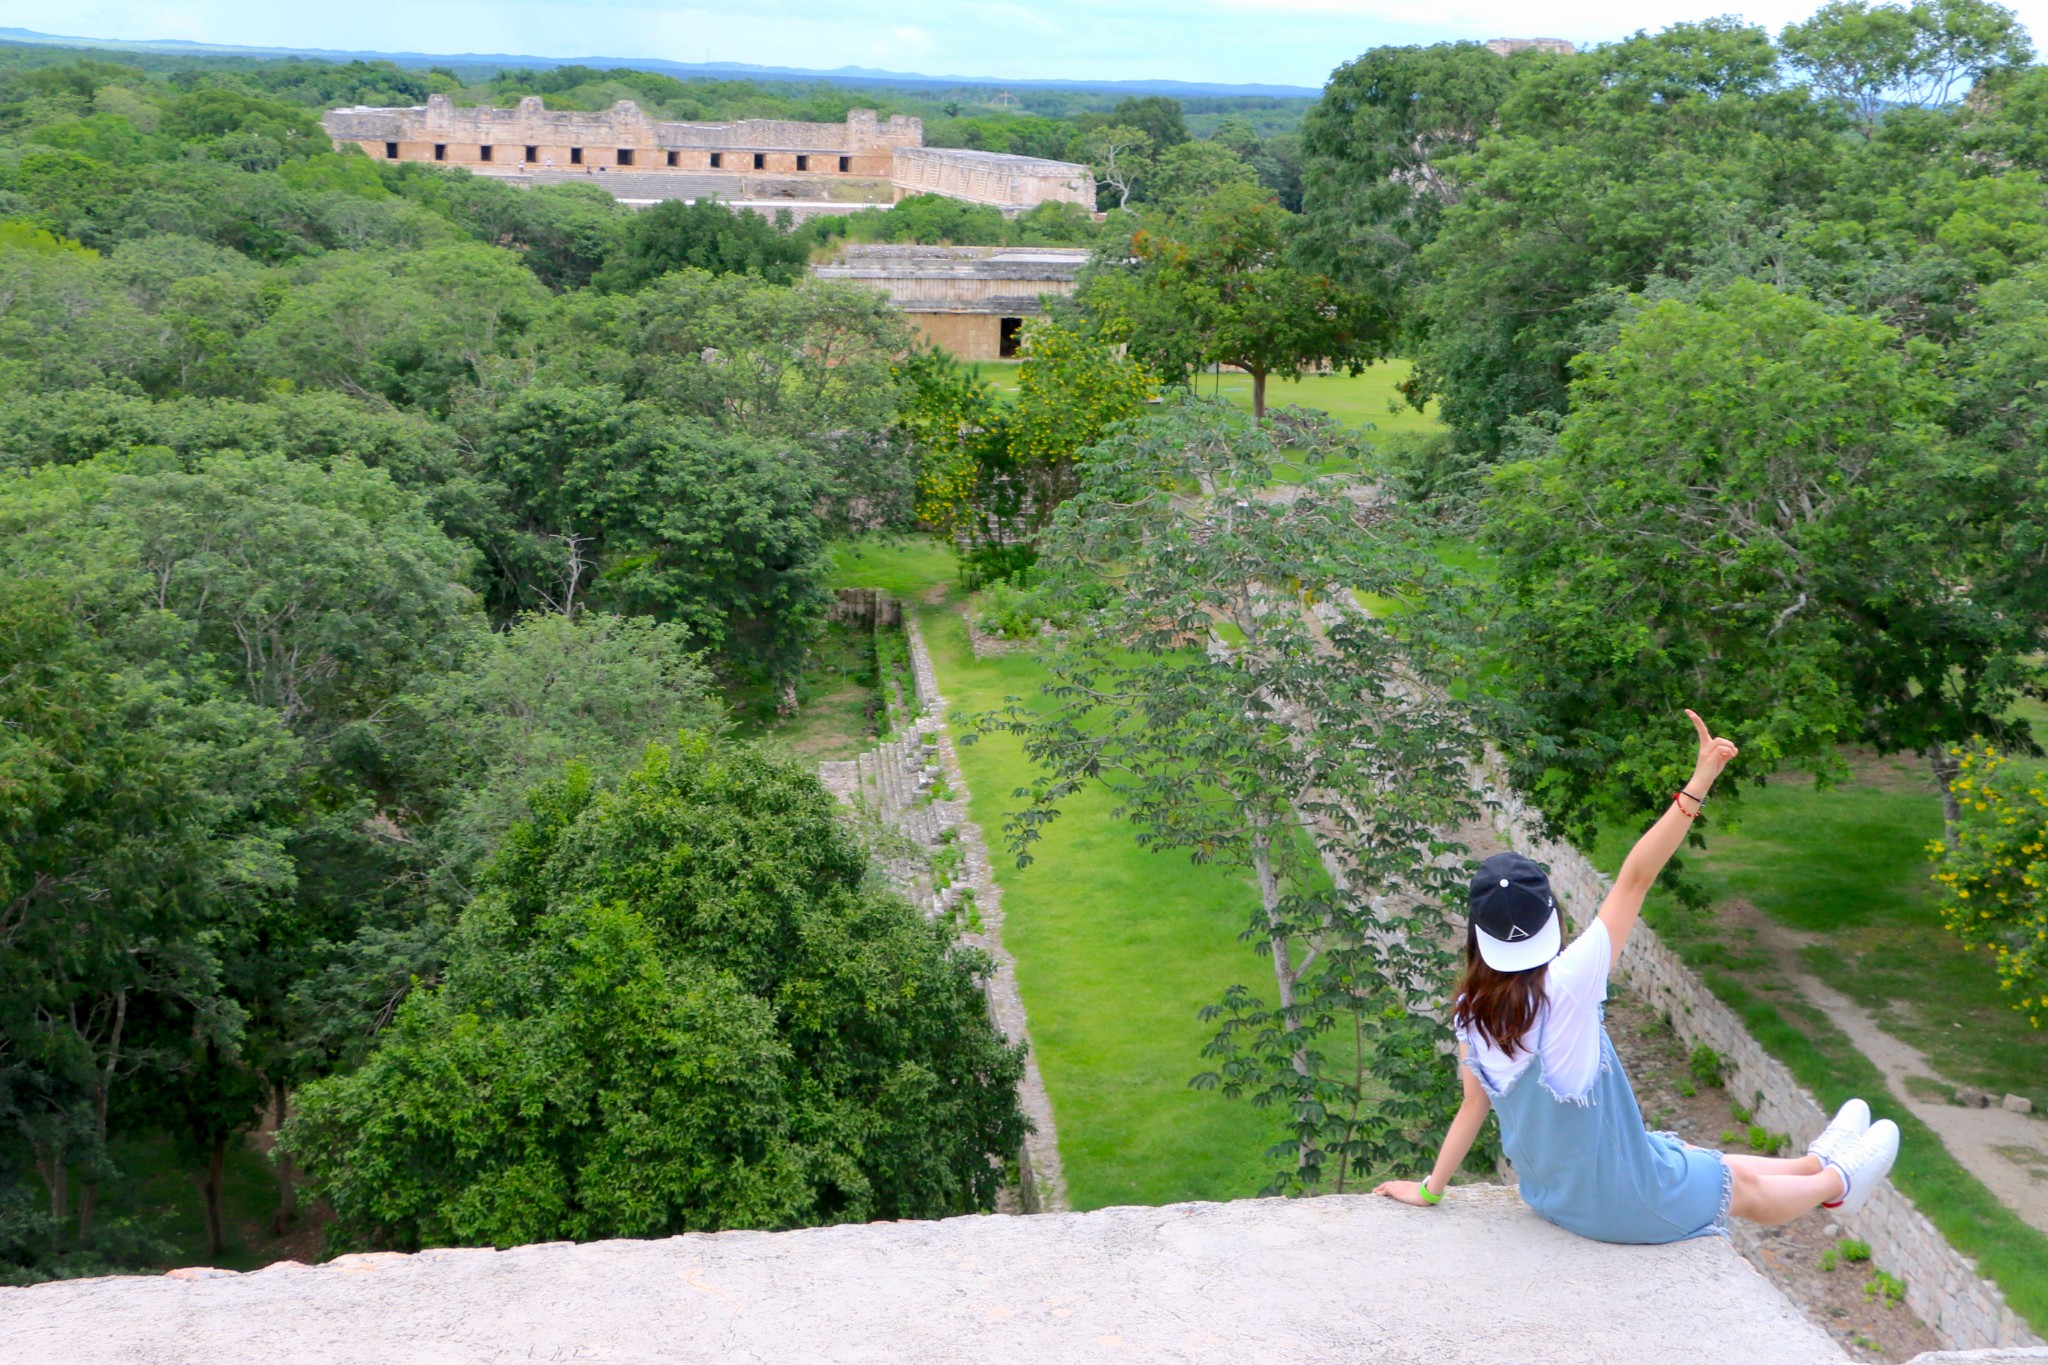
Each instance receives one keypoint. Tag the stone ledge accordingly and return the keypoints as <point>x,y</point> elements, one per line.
<point>1341,1278</point>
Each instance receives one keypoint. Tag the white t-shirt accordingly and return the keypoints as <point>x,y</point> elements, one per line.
<point>1568,1022</point>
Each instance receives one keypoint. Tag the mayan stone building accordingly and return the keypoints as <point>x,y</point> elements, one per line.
<point>971,300</point>
<point>770,163</point>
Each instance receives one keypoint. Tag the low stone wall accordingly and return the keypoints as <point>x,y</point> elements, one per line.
<point>1942,1285</point>
<point>1041,1180</point>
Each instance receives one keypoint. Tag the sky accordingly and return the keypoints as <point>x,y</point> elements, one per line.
<point>1295,42</point>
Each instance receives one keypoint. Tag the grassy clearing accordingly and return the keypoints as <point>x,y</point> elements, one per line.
<point>1372,399</point>
<point>836,701</point>
<point>1117,949</point>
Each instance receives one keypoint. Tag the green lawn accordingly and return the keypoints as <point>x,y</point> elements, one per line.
<point>1366,400</point>
<point>1116,948</point>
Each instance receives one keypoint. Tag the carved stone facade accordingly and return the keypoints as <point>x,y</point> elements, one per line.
<point>831,166</point>
<point>969,300</point>
<point>1508,47</point>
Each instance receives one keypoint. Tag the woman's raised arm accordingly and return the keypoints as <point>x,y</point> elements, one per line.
<point>1624,903</point>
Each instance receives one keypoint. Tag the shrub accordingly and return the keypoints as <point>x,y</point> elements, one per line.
<point>1707,1066</point>
<point>1885,1288</point>
<point>1994,879</point>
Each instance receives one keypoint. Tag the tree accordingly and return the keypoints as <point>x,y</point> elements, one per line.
<point>1120,156</point>
<point>572,686</point>
<point>702,234</point>
<point>713,530</point>
<point>1159,117</point>
<point>1748,501</point>
<point>1232,721</point>
<point>140,810</point>
<point>1871,56</point>
<point>1993,875</point>
<point>1217,287</point>
<point>1377,151</point>
<point>680,1006</point>
<point>408,328</point>
<point>1186,176</point>
<point>991,477</point>
<point>1611,167</point>
<point>809,367</point>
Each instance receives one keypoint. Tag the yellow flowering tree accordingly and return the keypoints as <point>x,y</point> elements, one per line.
<point>1994,876</point>
<point>991,474</point>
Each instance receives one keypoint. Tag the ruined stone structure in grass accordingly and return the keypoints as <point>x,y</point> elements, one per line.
<point>808,168</point>
<point>970,300</point>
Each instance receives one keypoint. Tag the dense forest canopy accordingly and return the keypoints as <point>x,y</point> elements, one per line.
<point>381,546</point>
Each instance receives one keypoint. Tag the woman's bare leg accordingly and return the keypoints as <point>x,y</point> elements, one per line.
<point>1771,1199</point>
<point>1775,1165</point>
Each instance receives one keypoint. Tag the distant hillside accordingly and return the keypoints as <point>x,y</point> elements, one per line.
<point>495,61</point>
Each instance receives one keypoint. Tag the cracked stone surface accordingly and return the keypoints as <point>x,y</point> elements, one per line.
<point>1345,1278</point>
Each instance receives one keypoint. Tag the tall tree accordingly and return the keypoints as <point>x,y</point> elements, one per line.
<point>1230,722</point>
<point>682,1005</point>
<point>1378,152</point>
<point>1750,499</point>
<point>1216,286</point>
<point>1873,56</point>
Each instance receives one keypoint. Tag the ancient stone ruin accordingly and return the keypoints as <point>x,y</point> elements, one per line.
<point>808,168</point>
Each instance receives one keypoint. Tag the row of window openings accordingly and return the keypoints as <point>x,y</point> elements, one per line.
<point>624,154</point>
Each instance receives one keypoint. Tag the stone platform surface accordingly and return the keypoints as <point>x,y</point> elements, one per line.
<point>1338,1279</point>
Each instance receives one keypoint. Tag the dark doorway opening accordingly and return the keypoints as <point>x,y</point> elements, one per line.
<point>803,163</point>
<point>575,156</point>
<point>440,151</point>
<point>760,161</point>
<point>625,156</point>
<point>671,158</point>
<point>533,153</point>
<point>1010,331</point>
<point>845,164</point>
<point>483,154</point>
<point>717,160</point>
<point>391,151</point>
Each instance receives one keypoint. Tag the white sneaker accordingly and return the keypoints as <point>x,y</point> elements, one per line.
<point>1865,1164</point>
<point>1849,1123</point>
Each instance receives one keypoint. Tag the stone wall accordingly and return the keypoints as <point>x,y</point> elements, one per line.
<point>964,336</point>
<point>1942,1286</point>
<point>624,138</point>
<point>1014,183</point>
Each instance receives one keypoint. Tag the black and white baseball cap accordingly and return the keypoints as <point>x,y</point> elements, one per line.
<point>1514,916</point>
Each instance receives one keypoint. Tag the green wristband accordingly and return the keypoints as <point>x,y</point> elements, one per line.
<point>1422,1188</point>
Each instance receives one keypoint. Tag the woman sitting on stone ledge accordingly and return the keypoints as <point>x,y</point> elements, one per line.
<point>1533,1048</point>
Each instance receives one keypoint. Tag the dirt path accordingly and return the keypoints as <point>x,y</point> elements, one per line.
<point>2007,1151</point>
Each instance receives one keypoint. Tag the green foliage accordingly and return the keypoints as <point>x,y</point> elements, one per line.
<point>1375,152</point>
<point>1993,873</point>
<point>1208,751</point>
<point>630,509</point>
<point>702,235</point>
<point>1854,1252</point>
<point>992,475</point>
<point>1214,285</point>
<point>1707,1066</point>
<point>1886,1288</point>
<point>1756,489</point>
<point>1874,56</point>
<point>683,1005</point>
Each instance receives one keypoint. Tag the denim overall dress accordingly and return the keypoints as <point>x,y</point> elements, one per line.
<point>1589,1165</point>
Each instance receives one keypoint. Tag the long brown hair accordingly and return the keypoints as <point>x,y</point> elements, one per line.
<point>1499,1006</point>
